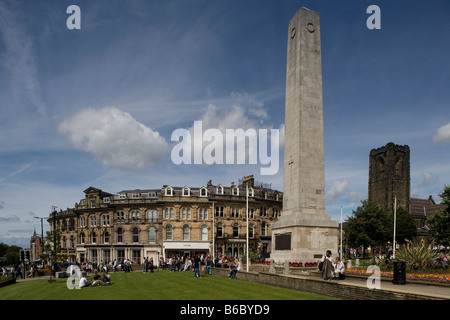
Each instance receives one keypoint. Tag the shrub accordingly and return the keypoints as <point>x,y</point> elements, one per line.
<point>417,256</point>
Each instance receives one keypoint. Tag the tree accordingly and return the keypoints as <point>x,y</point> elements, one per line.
<point>405,227</point>
<point>10,254</point>
<point>367,227</point>
<point>440,221</point>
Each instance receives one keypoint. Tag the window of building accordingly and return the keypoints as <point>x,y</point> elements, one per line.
<point>122,196</point>
<point>275,212</point>
<point>136,256</point>
<point>135,235</point>
<point>263,228</point>
<point>219,189</point>
<point>135,195</point>
<point>186,213</point>
<point>93,238</point>
<point>234,212</point>
<point>186,192</point>
<point>235,191</point>
<point>71,225</point>
<point>152,235</point>
<point>203,192</point>
<point>203,214</point>
<point>119,235</point>
<point>106,200</point>
<point>169,191</point>
<point>168,213</point>
<point>92,203</point>
<point>219,211</point>
<point>219,230</point>
<point>169,232</point>
<point>82,222</point>
<point>93,220</point>
<point>64,242</point>
<point>120,216</point>
<point>152,216</point>
<point>250,231</point>
<point>106,237</point>
<point>251,213</point>
<point>251,192</point>
<point>186,232</point>
<point>135,215</point>
<point>94,256</point>
<point>82,237</point>
<point>120,255</point>
<point>263,211</point>
<point>204,232</point>
<point>105,220</point>
<point>235,230</point>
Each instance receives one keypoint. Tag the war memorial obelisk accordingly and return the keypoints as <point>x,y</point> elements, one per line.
<point>304,230</point>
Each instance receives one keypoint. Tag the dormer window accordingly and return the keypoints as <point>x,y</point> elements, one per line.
<point>203,192</point>
<point>251,193</point>
<point>219,189</point>
<point>135,195</point>
<point>106,200</point>
<point>186,192</point>
<point>169,191</point>
<point>235,191</point>
<point>122,196</point>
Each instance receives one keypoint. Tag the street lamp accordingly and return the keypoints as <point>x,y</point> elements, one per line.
<point>42,234</point>
<point>54,242</point>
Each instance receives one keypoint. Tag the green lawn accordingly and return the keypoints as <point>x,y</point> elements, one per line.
<point>160,285</point>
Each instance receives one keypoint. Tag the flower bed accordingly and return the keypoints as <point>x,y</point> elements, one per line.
<point>443,277</point>
<point>4,281</point>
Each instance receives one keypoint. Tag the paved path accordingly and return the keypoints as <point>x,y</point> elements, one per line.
<point>422,288</point>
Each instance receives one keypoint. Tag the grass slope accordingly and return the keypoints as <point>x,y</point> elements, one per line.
<point>160,285</point>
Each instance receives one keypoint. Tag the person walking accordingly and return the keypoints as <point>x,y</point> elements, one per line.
<point>197,267</point>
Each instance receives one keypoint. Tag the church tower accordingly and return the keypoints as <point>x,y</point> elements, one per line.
<point>389,176</point>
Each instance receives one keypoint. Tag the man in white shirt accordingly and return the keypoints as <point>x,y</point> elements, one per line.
<point>83,282</point>
<point>339,269</point>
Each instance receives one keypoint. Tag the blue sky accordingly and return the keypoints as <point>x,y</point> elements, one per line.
<point>138,70</point>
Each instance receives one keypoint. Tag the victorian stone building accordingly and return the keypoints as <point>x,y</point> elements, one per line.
<point>164,222</point>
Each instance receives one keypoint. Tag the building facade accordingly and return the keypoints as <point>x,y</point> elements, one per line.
<point>155,223</point>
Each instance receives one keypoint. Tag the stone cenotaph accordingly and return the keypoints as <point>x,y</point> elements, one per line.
<point>304,230</point>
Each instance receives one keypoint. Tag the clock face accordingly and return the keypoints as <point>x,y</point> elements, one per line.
<point>310,27</point>
<point>293,33</point>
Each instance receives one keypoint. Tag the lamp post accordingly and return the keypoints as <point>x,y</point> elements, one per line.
<point>54,242</point>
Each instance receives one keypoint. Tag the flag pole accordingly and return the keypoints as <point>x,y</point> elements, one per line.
<point>340,252</point>
<point>246,214</point>
<point>395,218</point>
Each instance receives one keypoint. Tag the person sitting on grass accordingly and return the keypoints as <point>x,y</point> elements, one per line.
<point>106,279</point>
<point>97,282</point>
<point>83,282</point>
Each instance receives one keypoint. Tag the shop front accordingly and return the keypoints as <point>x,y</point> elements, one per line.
<point>185,248</point>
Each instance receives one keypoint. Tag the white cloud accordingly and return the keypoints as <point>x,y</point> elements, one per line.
<point>338,189</point>
<point>442,135</point>
<point>115,138</point>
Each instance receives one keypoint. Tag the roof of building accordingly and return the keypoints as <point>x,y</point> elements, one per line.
<point>425,207</point>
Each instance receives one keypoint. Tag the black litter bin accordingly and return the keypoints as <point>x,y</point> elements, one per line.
<point>399,272</point>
